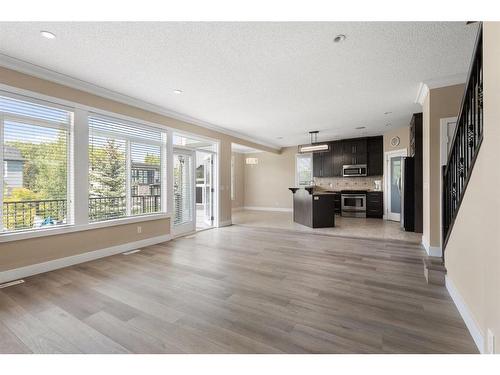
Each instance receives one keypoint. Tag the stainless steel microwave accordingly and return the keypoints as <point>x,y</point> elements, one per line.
<point>357,170</point>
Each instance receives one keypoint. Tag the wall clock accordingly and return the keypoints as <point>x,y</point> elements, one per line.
<point>395,141</point>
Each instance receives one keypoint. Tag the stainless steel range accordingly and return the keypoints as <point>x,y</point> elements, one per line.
<point>353,203</point>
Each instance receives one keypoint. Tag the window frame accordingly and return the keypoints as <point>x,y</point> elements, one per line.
<point>68,128</point>
<point>297,156</point>
<point>129,141</point>
<point>79,127</point>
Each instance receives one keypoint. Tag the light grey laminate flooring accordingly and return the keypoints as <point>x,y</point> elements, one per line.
<point>238,290</point>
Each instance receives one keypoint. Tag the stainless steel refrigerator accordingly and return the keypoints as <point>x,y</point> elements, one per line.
<point>407,190</point>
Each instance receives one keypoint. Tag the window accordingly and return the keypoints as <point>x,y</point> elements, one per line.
<point>126,161</point>
<point>303,169</point>
<point>35,151</point>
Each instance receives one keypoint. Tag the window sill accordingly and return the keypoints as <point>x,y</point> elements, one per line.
<point>71,228</point>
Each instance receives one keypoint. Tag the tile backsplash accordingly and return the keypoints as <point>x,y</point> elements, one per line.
<point>347,183</point>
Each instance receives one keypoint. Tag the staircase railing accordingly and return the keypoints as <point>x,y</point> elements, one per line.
<point>466,142</point>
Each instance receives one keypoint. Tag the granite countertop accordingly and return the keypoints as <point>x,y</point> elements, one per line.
<point>316,191</point>
<point>319,192</point>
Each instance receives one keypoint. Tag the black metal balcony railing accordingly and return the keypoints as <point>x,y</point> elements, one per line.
<point>145,204</point>
<point>33,214</point>
<point>30,214</point>
<point>466,142</point>
<point>108,208</point>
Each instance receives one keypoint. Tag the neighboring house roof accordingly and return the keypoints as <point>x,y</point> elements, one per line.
<point>12,153</point>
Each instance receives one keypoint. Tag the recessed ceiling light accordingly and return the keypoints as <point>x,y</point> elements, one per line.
<point>339,38</point>
<point>47,34</point>
<point>177,92</point>
<point>360,127</point>
<point>387,113</point>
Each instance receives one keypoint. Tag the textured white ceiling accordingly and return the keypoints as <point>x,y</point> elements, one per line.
<point>242,149</point>
<point>265,80</point>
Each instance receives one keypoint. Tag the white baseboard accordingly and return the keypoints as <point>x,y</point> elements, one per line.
<point>277,209</point>
<point>464,311</point>
<point>225,223</point>
<point>34,269</point>
<point>432,251</point>
<point>234,209</point>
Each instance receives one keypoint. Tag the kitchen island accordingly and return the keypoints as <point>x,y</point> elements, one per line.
<point>314,209</point>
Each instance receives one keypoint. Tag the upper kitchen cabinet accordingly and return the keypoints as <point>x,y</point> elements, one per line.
<point>338,158</point>
<point>323,163</point>
<point>369,151</point>
<point>375,146</point>
<point>354,151</point>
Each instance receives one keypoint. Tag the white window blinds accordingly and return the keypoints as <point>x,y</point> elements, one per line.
<point>183,188</point>
<point>126,165</point>
<point>35,155</point>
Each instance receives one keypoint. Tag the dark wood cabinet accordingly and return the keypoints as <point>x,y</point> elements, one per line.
<point>323,164</point>
<point>328,162</point>
<point>375,147</point>
<point>337,203</point>
<point>338,158</point>
<point>347,152</point>
<point>375,204</point>
<point>318,164</point>
<point>313,210</point>
<point>360,151</point>
<point>369,151</point>
<point>354,151</point>
<point>416,150</point>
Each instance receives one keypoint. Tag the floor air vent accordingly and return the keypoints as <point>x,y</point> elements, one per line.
<point>11,283</point>
<point>131,252</point>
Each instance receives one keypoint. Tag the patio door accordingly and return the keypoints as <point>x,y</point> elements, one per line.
<point>184,192</point>
<point>209,189</point>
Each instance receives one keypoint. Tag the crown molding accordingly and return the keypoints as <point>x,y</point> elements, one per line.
<point>425,86</point>
<point>246,152</point>
<point>75,83</point>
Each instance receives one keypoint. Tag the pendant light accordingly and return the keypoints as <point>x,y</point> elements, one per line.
<point>314,146</point>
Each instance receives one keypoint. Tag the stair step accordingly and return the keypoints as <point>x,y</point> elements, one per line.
<point>434,270</point>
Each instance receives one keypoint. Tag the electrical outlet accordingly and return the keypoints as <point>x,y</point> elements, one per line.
<point>491,342</point>
<point>139,229</point>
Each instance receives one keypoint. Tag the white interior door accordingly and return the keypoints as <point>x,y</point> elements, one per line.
<point>393,183</point>
<point>184,192</point>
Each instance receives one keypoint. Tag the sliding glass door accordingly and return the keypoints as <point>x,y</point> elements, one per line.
<point>209,191</point>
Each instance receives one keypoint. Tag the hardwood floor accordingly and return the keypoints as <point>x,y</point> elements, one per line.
<point>238,290</point>
<point>355,227</point>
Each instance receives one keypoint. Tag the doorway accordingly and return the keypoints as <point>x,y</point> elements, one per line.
<point>393,183</point>
<point>194,183</point>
